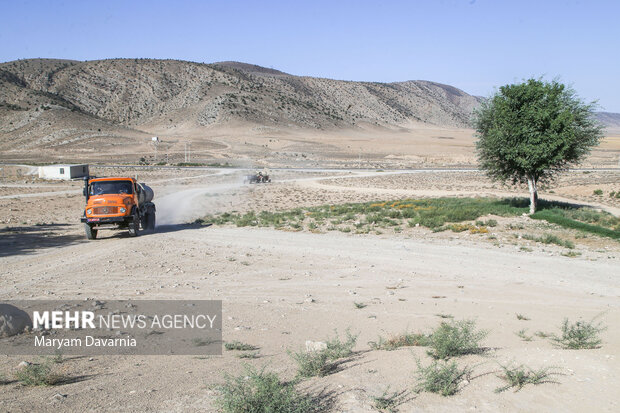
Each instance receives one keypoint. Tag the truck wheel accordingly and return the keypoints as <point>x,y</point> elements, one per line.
<point>150,221</point>
<point>90,232</point>
<point>134,227</point>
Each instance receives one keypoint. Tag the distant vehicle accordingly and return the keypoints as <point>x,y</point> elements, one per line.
<point>117,203</point>
<point>258,178</point>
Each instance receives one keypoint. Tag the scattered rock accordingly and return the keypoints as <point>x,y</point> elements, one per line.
<point>315,345</point>
<point>13,321</point>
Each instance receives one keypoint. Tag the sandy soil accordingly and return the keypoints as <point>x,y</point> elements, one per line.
<point>282,288</point>
<point>414,145</point>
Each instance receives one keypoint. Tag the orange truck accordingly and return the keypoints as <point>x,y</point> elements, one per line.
<point>117,203</point>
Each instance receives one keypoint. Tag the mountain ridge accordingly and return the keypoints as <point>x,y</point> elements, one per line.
<point>105,88</point>
<point>47,102</point>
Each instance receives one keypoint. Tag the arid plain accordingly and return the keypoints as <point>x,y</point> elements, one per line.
<point>325,143</point>
<point>282,287</point>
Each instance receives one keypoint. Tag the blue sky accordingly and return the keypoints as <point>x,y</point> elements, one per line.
<point>473,45</point>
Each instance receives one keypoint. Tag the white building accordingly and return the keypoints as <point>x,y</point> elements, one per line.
<point>63,171</point>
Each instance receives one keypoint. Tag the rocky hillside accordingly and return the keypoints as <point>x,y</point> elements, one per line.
<point>136,92</point>
<point>64,104</point>
<point>609,120</point>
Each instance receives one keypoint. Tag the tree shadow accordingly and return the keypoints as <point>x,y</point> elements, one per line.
<point>353,360</point>
<point>542,204</point>
<point>324,400</point>
<point>340,364</point>
<point>62,380</point>
<point>56,380</point>
<point>390,401</point>
<point>29,239</point>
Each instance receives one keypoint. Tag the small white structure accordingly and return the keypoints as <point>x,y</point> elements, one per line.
<point>63,171</point>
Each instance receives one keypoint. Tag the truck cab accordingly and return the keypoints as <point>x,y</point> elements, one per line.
<point>117,203</point>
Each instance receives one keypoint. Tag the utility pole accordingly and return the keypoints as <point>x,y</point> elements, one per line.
<point>188,152</point>
<point>155,142</point>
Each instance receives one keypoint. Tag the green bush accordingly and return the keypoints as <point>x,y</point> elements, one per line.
<point>517,377</point>
<point>443,377</point>
<point>491,223</point>
<point>323,362</point>
<point>389,401</point>
<point>456,339</point>
<point>550,239</point>
<point>431,221</point>
<point>401,340</point>
<point>433,213</point>
<point>238,345</point>
<point>339,349</point>
<point>579,335</point>
<point>522,334</point>
<point>563,221</point>
<point>39,375</point>
<point>258,391</point>
<point>589,216</point>
<point>250,355</point>
<point>313,363</point>
<point>248,219</point>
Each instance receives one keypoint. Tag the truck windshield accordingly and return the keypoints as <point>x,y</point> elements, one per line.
<point>110,187</point>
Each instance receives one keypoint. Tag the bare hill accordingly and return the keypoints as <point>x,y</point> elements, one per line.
<point>143,93</point>
<point>609,120</point>
<point>255,69</point>
<point>65,109</point>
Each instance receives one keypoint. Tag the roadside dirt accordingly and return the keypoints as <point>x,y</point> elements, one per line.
<point>281,288</point>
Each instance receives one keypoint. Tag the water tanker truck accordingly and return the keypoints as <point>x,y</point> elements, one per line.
<point>117,203</point>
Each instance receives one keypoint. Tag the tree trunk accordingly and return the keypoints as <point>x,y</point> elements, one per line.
<point>531,183</point>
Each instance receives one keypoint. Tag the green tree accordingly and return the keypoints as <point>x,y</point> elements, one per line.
<point>528,132</point>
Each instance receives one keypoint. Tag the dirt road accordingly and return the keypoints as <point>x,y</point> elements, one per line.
<point>281,289</point>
